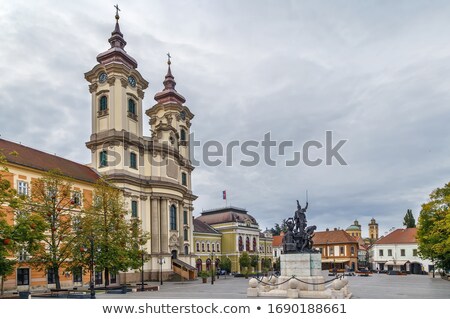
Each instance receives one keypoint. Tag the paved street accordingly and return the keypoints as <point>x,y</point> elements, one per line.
<point>376,286</point>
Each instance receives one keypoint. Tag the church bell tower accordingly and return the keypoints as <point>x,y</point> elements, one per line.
<point>117,90</point>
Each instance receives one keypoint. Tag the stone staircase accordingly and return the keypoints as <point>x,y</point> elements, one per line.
<point>183,270</point>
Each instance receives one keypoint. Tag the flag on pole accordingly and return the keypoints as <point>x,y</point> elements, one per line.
<point>224,195</point>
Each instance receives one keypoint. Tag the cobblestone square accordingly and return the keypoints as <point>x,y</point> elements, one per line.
<point>377,286</point>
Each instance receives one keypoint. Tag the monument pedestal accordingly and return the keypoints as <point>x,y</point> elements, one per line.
<point>301,277</point>
<point>301,264</point>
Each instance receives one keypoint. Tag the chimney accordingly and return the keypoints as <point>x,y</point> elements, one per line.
<point>335,228</point>
<point>328,229</point>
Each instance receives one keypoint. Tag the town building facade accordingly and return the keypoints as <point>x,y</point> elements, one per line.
<point>339,249</point>
<point>25,167</point>
<point>398,251</point>
<point>239,233</point>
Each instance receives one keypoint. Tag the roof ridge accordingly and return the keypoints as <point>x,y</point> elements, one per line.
<point>41,151</point>
<point>39,160</point>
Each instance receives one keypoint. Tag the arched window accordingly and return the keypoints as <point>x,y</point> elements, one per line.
<point>131,106</point>
<point>207,247</point>
<point>185,234</point>
<point>198,246</point>
<point>240,244</point>
<point>103,103</point>
<point>103,158</point>
<point>173,217</point>
<point>133,160</point>
<point>254,244</point>
<point>352,250</point>
<point>203,247</point>
<point>247,244</point>
<point>183,179</point>
<point>186,250</point>
<point>134,208</point>
<point>218,247</point>
<point>208,264</point>
<point>183,135</point>
<point>198,264</point>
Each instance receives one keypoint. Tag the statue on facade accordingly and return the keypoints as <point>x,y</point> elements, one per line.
<point>298,238</point>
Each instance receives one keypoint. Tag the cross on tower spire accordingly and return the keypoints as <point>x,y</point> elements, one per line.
<point>117,12</point>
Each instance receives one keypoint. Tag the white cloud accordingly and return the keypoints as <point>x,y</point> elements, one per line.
<point>373,73</point>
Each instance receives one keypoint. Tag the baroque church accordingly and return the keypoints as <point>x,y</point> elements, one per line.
<point>154,172</point>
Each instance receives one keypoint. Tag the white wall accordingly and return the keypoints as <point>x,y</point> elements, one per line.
<point>376,259</point>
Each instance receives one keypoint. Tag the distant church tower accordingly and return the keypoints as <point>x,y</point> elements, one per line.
<point>373,230</point>
<point>154,172</point>
<point>354,230</point>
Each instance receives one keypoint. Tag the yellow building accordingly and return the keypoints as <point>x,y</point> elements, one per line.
<point>239,233</point>
<point>373,231</point>
<point>207,245</point>
<point>26,166</point>
<point>354,230</point>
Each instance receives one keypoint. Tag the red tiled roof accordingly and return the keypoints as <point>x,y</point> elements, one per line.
<point>333,237</point>
<point>201,227</point>
<point>277,241</point>
<point>399,236</point>
<point>361,243</point>
<point>226,215</point>
<point>29,157</point>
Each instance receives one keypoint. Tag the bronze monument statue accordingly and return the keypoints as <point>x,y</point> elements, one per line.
<point>298,238</point>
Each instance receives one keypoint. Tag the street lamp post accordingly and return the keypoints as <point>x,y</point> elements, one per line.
<point>212,268</point>
<point>161,261</point>
<point>92,279</point>
<point>142,271</point>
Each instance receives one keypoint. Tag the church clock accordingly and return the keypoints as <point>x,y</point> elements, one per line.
<point>132,81</point>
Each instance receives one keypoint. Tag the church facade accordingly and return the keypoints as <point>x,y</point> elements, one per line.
<point>154,172</point>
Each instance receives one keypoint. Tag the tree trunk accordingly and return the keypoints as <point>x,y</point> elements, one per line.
<point>106,276</point>
<point>57,281</point>
<point>1,288</point>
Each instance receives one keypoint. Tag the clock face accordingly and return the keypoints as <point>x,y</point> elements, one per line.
<point>132,81</point>
<point>183,115</point>
<point>102,77</point>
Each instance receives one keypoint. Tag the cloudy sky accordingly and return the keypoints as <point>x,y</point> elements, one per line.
<point>375,73</point>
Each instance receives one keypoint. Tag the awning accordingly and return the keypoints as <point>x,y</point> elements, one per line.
<point>336,260</point>
<point>396,262</point>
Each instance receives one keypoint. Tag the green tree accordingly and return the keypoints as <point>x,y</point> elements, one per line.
<point>433,232</point>
<point>277,229</point>
<point>254,262</point>
<point>244,261</point>
<point>20,231</point>
<point>107,235</point>
<point>53,202</point>
<point>409,221</point>
<point>225,264</point>
<point>266,264</point>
